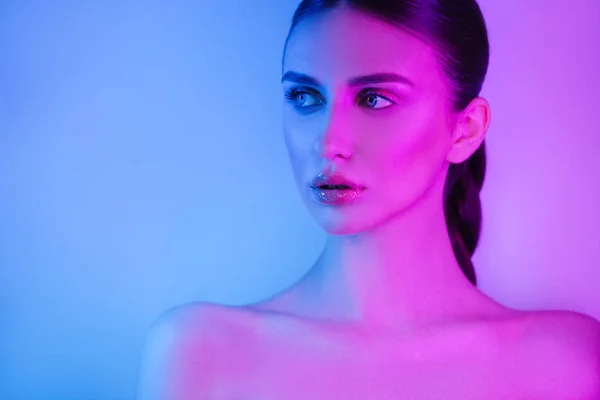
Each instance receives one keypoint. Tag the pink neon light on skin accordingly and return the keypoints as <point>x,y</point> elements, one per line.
<point>388,260</point>
<point>388,269</point>
<point>385,312</point>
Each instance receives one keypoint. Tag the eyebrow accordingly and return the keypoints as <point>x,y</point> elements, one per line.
<point>381,77</point>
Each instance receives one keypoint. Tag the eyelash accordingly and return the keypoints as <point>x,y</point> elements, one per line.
<point>294,92</point>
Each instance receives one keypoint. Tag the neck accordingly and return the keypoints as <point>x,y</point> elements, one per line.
<point>399,274</point>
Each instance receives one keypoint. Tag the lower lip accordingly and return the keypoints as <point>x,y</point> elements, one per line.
<point>336,196</point>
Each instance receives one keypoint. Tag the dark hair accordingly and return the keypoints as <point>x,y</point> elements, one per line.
<point>457,31</point>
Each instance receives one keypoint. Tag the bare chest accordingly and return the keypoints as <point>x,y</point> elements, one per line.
<point>459,364</point>
<point>361,380</point>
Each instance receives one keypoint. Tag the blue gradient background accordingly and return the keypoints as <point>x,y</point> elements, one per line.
<point>142,166</point>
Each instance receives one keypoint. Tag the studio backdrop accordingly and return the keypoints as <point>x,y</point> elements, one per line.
<point>142,166</point>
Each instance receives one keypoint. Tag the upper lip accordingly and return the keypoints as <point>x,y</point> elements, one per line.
<point>334,179</point>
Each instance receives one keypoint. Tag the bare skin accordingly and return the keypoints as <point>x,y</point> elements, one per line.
<point>212,352</point>
<point>385,312</point>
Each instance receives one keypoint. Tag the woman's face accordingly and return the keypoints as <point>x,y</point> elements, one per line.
<point>390,133</point>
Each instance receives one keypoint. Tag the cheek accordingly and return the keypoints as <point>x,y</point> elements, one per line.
<point>298,134</point>
<point>409,156</point>
<point>299,137</point>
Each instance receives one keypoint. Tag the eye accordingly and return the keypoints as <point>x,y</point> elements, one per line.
<point>375,101</point>
<point>303,97</point>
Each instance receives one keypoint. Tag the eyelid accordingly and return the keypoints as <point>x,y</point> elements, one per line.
<point>305,89</point>
<point>381,93</point>
<point>308,90</point>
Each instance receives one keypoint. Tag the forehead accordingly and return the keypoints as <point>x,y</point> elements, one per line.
<point>342,43</point>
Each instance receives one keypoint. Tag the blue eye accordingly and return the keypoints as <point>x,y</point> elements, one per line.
<point>375,101</point>
<point>303,97</point>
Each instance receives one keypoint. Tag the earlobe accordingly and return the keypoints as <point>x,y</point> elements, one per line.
<point>470,130</point>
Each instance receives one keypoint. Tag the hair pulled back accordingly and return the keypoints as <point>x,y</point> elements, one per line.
<point>457,31</point>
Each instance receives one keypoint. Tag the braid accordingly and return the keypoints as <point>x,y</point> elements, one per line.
<point>462,208</point>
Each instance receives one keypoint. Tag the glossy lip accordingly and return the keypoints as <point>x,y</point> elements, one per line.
<point>337,196</point>
<point>334,179</point>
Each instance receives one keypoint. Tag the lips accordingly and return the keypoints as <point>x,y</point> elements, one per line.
<point>335,181</point>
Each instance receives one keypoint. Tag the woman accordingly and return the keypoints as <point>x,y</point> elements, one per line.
<point>385,132</point>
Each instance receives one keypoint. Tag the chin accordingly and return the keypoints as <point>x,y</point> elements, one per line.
<point>341,222</point>
<point>340,229</point>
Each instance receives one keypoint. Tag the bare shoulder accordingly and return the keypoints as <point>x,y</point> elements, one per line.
<point>561,350</point>
<point>572,332</point>
<point>185,324</point>
<point>179,351</point>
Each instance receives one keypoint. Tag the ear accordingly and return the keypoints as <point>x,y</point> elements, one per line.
<point>470,130</point>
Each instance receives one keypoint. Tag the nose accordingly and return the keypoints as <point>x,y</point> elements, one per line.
<point>335,141</point>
